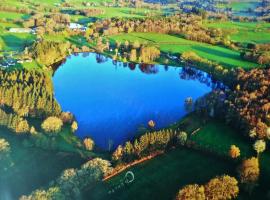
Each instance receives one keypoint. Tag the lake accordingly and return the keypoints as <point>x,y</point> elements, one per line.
<point>113,101</point>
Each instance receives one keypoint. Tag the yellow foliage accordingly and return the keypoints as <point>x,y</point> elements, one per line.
<point>234,152</point>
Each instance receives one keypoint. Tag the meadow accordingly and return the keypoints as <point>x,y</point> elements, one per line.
<point>244,32</point>
<point>161,177</point>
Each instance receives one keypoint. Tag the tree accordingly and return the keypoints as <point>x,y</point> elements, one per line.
<point>268,133</point>
<point>191,192</point>
<point>136,44</point>
<point>53,193</point>
<point>151,124</point>
<point>89,144</point>
<point>249,170</point>
<point>182,138</point>
<point>221,188</point>
<point>234,152</point>
<point>118,153</point>
<point>133,55</point>
<point>74,126</point>
<point>259,146</point>
<point>22,127</point>
<point>66,117</point>
<point>52,125</point>
<point>4,146</point>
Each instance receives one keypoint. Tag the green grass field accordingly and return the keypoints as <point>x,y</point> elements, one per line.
<point>244,32</point>
<point>163,176</point>
<point>176,45</point>
<point>12,15</point>
<point>218,137</point>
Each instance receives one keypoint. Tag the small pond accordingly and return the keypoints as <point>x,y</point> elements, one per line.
<point>113,101</point>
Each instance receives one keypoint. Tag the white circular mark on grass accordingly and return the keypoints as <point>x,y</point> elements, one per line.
<point>129,177</point>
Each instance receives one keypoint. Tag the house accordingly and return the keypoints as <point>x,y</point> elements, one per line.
<point>20,30</point>
<point>76,26</point>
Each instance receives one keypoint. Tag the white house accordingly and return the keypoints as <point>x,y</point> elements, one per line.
<point>20,30</point>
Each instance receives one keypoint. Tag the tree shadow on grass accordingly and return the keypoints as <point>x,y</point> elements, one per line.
<point>13,42</point>
<point>210,50</point>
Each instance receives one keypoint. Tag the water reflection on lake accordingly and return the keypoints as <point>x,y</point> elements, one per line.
<point>112,100</point>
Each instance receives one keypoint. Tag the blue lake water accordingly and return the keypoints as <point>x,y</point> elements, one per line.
<point>112,101</point>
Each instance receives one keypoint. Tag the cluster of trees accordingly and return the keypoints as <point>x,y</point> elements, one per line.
<point>89,12</point>
<point>147,144</point>
<point>14,122</point>
<point>246,106</point>
<point>49,52</point>
<point>259,53</point>
<point>22,10</point>
<point>136,52</point>
<point>188,25</point>
<point>25,94</point>
<point>72,181</point>
<point>215,69</point>
<point>48,23</point>
<point>28,93</point>
<point>219,188</point>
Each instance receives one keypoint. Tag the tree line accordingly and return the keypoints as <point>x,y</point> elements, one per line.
<point>147,144</point>
<point>72,182</point>
<point>188,25</point>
